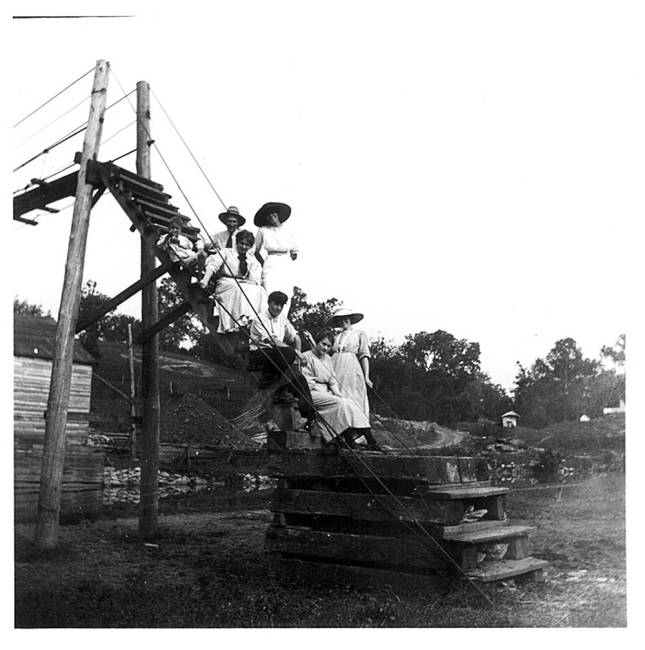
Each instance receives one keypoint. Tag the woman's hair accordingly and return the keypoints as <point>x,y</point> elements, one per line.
<point>325,334</point>
<point>246,237</point>
<point>175,221</point>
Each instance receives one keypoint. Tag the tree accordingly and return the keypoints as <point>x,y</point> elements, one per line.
<point>91,300</point>
<point>184,331</point>
<point>556,388</point>
<point>616,352</point>
<point>26,308</point>
<point>307,316</point>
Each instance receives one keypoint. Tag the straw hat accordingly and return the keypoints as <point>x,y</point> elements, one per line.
<point>232,211</point>
<point>342,312</point>
<point>283,210</point>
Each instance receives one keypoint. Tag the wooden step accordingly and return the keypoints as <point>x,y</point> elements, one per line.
<point>436,470</point>
<point>491,535</point>
<point>502,569</point>
<point>167,210</point>
<point>448,532</point>
<point>375,549</point>
<point>116,173</point>
<point>361,507</point>
<point>463,491</point>
<point>133,185</point>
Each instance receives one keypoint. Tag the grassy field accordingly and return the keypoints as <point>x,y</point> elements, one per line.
<point>209,570</point>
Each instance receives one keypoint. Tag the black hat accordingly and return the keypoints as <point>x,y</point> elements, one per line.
<point>261,215</point>
<point>278,297</point>
<point>232,211</point>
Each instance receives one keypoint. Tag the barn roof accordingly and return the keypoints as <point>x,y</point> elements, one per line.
<point>33,336</point>
<point>510,414</point>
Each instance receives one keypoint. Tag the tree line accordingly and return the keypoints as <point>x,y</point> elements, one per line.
<point>429,376</point>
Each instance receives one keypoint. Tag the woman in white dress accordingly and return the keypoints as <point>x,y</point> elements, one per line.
<point>276,245</point>
<point>238,293</point>
<point>338,416</point>
<point>351,357</point>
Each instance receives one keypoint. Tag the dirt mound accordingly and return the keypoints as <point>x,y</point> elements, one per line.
<point>188,418</point>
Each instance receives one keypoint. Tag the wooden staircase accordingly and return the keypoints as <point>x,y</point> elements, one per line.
<point>150,211</point>
<point>329,510</point>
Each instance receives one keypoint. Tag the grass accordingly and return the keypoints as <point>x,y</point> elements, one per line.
<point>209,570</point>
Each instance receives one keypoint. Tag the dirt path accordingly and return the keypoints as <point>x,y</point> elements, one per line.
<point>445,438</point>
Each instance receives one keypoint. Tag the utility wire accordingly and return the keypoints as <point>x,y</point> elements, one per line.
<point>33,135</point>
<point>52,98</point>
<point>188,149</point>
<point>118,132</point>
<point>71,134</point>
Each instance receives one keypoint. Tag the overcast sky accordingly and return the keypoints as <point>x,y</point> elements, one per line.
<point>465,166</point>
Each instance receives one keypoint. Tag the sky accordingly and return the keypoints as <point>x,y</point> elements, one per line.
<point>471,167</point>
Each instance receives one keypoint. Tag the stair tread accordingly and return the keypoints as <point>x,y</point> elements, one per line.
<point>500,569</point>
<point>464,492</point>
<point>504,531</point>
<point>450,531</point>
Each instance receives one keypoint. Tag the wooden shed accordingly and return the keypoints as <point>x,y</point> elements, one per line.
<point>83,469</point>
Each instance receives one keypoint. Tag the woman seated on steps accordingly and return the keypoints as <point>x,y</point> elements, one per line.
<point>340,419</point>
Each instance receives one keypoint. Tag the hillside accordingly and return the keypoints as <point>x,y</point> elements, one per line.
<point>197,398</point>
<point>593,437</point>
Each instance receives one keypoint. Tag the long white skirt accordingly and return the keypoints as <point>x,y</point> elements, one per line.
<point>351,380</point>
<point>337,414</point>
<point>233,301</point>
<point>277,276</point>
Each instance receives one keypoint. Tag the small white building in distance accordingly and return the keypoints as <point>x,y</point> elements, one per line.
<point>608,410</point>
<point>509,419</point>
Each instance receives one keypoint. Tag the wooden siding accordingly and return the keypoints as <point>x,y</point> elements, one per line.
<point>83,469</point>
<point>82,489</point>
<point>31,378</point>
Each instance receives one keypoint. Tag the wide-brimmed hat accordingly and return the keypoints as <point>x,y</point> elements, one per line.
<point>283,210</point>
<point>343,312</point>
<point>232,211</point>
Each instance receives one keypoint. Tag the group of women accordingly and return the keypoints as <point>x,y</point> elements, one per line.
<point>337,368</point>
<point>256,265</point>
<point>338,382</point>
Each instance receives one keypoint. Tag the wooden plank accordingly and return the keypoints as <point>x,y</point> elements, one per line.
<point>372,549</point>
<point>464,492</point>
<point>167,319</point>
<point>491,534</point>
<point>126,174</point>
<point>44,194</point>
<point>359,576</point>
<point>167,210</point>
<point>164,222</point>
<point>467,469</point>
<point>362,507</point>
<point>424,469</point>
<point>113,303</point>
<point>449,531</point>
<point>138,186</point>
<point>518,548</point>
<point>502,569</point>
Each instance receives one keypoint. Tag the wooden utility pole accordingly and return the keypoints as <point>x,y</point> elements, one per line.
<point>149,496</point>
<point>133,397</point>
<point>58,402</point>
